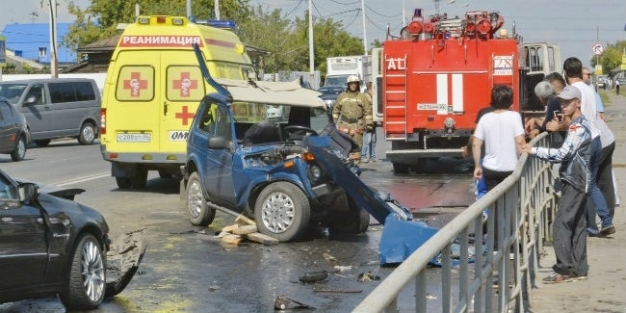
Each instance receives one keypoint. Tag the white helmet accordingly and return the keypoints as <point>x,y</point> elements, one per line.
<point>353,79</point>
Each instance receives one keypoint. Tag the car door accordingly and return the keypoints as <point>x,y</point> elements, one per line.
<point>23,248</point>
<point>219,162</point>
<point>5,128</point>
<point>38,113</point>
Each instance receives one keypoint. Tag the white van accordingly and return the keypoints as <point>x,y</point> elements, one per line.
<point>56,108</point>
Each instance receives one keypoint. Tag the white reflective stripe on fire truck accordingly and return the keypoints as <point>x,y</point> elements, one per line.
<point>457,92</point>
<point>442,88</point>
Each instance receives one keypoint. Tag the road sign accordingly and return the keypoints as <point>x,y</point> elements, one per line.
<point>597,48</point>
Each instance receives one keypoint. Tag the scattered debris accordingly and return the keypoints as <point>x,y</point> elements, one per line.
<point>312,277</point>
<point>214,288</point>
<point>339,268</point>
<point>329,257</point>
<point>363,277</point>
<point>338,290</point>
<point>282,303</point>
<point>244,229</point>
<point>431,297</point>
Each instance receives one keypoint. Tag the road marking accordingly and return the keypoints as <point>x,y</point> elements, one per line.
<point>82,179</point>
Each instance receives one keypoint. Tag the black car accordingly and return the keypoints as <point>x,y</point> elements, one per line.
<point>329,95</point>
<point>14,136</point>
<point>51,245</point>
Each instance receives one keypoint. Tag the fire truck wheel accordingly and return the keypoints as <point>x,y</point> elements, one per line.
<point>399,168</point>
<point>282,211</point>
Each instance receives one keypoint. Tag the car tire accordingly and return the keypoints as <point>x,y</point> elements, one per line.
<point>87,133</point>
<point>86,283</point>
<point>20,150</point>
<point>42,143</point>
<point>123,182</point>
<point>198,211</point>
<point>139,180</point>
<point>282,211</point>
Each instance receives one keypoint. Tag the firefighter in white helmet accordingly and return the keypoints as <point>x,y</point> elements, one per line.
<point>352,114</point>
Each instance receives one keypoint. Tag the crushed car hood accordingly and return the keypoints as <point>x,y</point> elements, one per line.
<point>280,93</point>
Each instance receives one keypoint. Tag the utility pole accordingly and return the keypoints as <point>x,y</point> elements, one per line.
<point>311,51</point>
<point>217,9</point>
<point>53,39</point>
<point>364,31</point>
<point>188,7</point>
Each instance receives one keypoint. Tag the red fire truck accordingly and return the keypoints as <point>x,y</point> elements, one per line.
<point>432,80</point>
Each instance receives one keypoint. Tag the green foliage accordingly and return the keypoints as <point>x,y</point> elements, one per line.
<point>612,57</point>
<point>288,41</point>
<point>100,19</point>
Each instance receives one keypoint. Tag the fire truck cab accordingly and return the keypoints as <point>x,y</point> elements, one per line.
<point>434,78</point>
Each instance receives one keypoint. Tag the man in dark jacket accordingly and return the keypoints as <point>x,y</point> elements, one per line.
<point>569,226</point>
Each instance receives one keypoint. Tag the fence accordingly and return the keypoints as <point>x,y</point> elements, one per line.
<point>495,274</point>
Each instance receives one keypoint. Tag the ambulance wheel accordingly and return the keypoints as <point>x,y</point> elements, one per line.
<point>282,211</point>
<point>87,133</point>
<point>139,180</point>
<point>399,168</point>
<point>200,214</point>
<point>123,182</point>
<point>165,174</point>
<point>42,143</point>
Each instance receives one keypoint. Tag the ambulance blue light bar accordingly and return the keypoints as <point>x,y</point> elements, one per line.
<point>224,24</point>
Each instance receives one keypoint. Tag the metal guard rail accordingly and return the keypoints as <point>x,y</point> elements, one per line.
<point>525,202</point>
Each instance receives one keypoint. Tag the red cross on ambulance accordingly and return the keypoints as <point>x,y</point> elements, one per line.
<point>185,115</point>
<point>185,84</point>
<point>135,84</point>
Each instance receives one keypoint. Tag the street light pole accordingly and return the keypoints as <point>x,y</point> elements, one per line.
<point>364,31</point>
<point>311,51</point>
<point>53,39</point>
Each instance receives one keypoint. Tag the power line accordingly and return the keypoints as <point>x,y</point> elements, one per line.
<point>337,2</point>
<point>294,9</point>
<point>383,15</point>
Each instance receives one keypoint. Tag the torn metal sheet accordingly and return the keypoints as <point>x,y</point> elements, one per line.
<point>123,261</point>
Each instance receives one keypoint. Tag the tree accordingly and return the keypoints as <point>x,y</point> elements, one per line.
<point>100,19</point>
<point>612,57</point>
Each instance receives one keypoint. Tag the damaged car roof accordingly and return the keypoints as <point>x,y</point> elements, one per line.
<point>280,93</point>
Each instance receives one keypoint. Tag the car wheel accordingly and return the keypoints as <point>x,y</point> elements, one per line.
<point>282,211</point>
<point>200,214</point>
<point>42,142</point>
<point>87,276</point>
<point>87,134</point>
<point>20,150</point>
<point>139,180</point>
<point>123,182</point>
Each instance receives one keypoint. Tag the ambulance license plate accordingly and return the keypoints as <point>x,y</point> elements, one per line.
<point>134,137</point>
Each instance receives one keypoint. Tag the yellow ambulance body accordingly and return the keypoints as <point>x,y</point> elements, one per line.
<point>153,88</point>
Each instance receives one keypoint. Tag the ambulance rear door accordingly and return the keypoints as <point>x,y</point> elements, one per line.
<point>133,114</point>
<point>184,89</point>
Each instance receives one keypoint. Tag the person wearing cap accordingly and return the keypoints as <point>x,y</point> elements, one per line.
<point>352,114</point>
<point>569,225</point>
<point>601,157</point>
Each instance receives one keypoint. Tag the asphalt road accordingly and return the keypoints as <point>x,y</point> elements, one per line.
<point>186,270</point>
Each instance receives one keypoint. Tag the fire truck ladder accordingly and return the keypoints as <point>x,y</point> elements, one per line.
<point>397,100</point>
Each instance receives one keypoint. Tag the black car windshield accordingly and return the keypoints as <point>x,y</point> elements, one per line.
<point>7,190</point>
<point>13,92</point>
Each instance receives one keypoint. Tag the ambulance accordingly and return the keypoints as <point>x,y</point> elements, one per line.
<point>153,88</point>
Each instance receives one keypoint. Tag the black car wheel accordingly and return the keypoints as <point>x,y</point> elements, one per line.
<point>20,150</point>
<point>282,211</point>
<point>42,142</point>
<point>87,276</point>
<point>200,214</point>
<point>87,134</point>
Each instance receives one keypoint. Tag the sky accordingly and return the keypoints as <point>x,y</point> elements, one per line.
<point>574,24</point>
